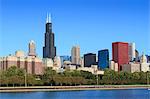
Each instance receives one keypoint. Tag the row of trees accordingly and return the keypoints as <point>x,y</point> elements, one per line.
<point>75,77</point>
<point>112,77</point>
<point>17,77</point>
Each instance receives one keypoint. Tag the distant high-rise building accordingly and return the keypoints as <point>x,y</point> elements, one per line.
<point>49,49</point>
<point>132,55</point>
<point>64,58</point>
<point>57,61</point>
<point>89,59</point>
<point>137,58</point>
<point>75,55</point>
<point>143,63</point>
<point>103,59</point>
<point>120,53</point>
<point>148,58</point>
<point>143,58</point>
<point>32,48</point>
<point>82,62</point>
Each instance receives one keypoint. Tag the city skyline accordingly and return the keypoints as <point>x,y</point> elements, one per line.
<point>82,29</point>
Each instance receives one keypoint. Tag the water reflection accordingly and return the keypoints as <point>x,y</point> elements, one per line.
<point>89,94</point>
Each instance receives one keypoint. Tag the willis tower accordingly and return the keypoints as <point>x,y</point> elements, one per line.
<point>49,49</point>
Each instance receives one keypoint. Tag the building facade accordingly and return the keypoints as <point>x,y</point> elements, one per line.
<point>64,58</point>
<point>49,49</point>
<point>48,62</point>
<point>32,48</point>
<point>137,58</point>
<point>75,55</point>
<point>32,65</point>
<point>89,59</point>
<point>132,55</point>
<point>148,58</point>
<point>131,67</point>
<point>120,53</point>
<point>82,62</point>
<point>103,59</point>
<point>144,65</point>
<point>113,65</point>
<point>137,66</point>
<point>57,62</point>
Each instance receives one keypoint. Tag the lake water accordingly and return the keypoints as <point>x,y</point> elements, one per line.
<point>88,94</point>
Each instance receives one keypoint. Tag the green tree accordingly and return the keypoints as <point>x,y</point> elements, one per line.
<point>48,75</point>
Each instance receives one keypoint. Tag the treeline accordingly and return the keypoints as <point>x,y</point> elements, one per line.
<point>119,78</point>
<point>17,77</point>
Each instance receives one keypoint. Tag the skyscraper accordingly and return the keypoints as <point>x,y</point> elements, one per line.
<point>75,55</point>
<point>49,49</point>
<point>132,51</point>
<point>137,58</point>
<point>32,48</point>
<point>103,59</point>
<point>89,59</point>
<point>120,53</point>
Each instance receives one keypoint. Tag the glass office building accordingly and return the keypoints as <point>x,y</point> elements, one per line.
<point>103,59</point>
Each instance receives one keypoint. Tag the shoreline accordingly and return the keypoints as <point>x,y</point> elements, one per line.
<point>70,88</point>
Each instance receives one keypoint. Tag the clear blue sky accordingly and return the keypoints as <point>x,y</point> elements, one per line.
<point>92,24</point>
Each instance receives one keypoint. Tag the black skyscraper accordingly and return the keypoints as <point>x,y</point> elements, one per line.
<point>49,49</point>
<point>89,59</point>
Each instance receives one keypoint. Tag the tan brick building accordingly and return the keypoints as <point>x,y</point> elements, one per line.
<point>31,63</point>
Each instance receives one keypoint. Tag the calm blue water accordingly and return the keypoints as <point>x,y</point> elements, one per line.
<point>89,94</point>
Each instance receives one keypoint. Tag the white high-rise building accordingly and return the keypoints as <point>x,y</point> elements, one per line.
<point>144,65</point>
<point>57,62</point>
<point>75,55</point>
<point>132,55</point>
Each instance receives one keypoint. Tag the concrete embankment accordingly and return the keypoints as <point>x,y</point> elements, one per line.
<point>70,88</point>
